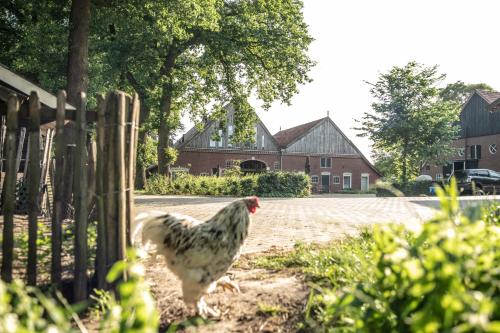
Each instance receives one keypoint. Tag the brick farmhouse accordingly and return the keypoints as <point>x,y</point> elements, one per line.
<point>478,144</point>
<point>318,148</point>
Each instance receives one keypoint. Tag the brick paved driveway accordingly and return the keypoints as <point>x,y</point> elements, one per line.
<point>283,222</point>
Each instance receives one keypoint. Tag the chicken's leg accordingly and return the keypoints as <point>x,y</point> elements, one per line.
<point>205,311</point>
<point>226,283</point>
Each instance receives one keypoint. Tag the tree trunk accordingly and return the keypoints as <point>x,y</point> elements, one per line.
<point>78,50</point>
<point>165,112</point>
<point>164,132</point>
<point>77,75</point>
<point>405,166</point>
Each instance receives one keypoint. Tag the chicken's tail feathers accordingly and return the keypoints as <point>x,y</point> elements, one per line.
<point>149,231</point>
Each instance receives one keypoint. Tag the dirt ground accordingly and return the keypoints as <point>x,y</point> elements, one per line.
<point>269,301</point>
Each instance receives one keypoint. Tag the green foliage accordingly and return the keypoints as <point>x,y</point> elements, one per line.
<point>442,276</point>
<point>459,91</point>
<point>273,184</point>
<point>134,310</point>
<point>147,154</point>
<point>26,309</point>
<point>338,264</point>
<point>410,189</point>
<point>409,123</point>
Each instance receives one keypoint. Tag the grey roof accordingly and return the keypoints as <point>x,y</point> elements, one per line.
<point>488,96</point>
<point>25,87</point>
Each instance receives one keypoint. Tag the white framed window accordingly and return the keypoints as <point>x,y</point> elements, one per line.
<point>256,138</point>
<point>262,145</point>
<point>347,181</point>
<point>229,163</point>
<point>493,148</point>
<point>461,152</point>
<point>326,162</point>
<point>276,165</point>
<point>365,182</point>
<point>336,180</point>
<point>439,177</point>
<point>230,132</point>
<point>314,179</point>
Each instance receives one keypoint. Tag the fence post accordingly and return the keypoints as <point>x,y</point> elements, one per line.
<point>109,186</point>
<point>33,185</point>
<point>100,175</point>
<point>120,175</point>
<point>132,146</point>
<point>9,188</point>
<point>58,190</point>
<point>20,146</point>
<point>80,199</point>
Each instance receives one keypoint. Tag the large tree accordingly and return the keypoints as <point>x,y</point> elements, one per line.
<point>409,122</point>
<point>196,56</point>
<point>459,91</point>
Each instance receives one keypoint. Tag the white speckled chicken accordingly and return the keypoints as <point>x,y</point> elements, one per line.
<point>199,253</point>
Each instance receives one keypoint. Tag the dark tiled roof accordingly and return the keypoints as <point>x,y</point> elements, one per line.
<point>489,96</point>
<point>285,137</point>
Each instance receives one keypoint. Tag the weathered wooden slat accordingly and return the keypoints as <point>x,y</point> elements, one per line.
<point>109,186</point>
<point>80,198</point>
<point>9,189</point>
<point>20,147</point>
<point>101,270</point>
<point>58,191</point>
<point>132,152</point>
<point>45,165</point>
<point>26,160</point>
<point>33,186</point>
<point>120,176</point>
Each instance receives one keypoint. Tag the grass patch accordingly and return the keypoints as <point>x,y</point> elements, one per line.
<point>338,263</point>
<point>270,310</point>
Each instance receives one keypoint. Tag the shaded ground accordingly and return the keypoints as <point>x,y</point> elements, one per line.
<point>269,301</point>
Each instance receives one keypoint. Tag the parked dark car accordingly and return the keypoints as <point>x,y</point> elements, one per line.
<point>477,181</point>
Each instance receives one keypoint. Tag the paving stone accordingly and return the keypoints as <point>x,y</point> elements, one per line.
<point>283,222</point>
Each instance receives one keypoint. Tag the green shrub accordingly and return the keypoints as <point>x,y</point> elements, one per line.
<point>27,309</point>
<point>409,189</point>
<point>272,184</point>
<point>442,276</point>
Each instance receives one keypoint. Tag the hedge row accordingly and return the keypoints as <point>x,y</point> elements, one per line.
<point>409,189</point>
<point>271,184</point>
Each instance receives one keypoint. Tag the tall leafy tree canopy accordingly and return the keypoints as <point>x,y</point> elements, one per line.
<point>196,56</point>
<point>409,121</point>
<point>459,91</point>
<point>181,56</point>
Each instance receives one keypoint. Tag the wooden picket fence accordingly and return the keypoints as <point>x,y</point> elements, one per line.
<point>114,138</point>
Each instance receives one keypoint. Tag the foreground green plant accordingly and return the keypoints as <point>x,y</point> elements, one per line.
<point>27,309</point>
<point>441,277</point>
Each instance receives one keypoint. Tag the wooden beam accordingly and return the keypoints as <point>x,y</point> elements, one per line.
<point>33,182</point>
<point>9,189</point>
<point>80,199</point>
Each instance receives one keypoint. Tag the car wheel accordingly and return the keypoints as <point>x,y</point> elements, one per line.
<point>479,191</point>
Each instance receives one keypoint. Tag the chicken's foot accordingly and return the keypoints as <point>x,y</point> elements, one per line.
<point>226,284</point>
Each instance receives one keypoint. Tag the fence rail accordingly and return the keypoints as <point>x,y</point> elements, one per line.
<point>108,165</point>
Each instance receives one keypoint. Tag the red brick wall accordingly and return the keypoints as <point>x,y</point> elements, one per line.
<point>340,165</point>
<point>487,161</point>
<point>201,161</point>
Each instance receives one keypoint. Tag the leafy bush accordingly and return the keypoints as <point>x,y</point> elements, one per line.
<point>442,276</point>
<point>409,189</point>
<point>26,309</point>
<point>273,184</point>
